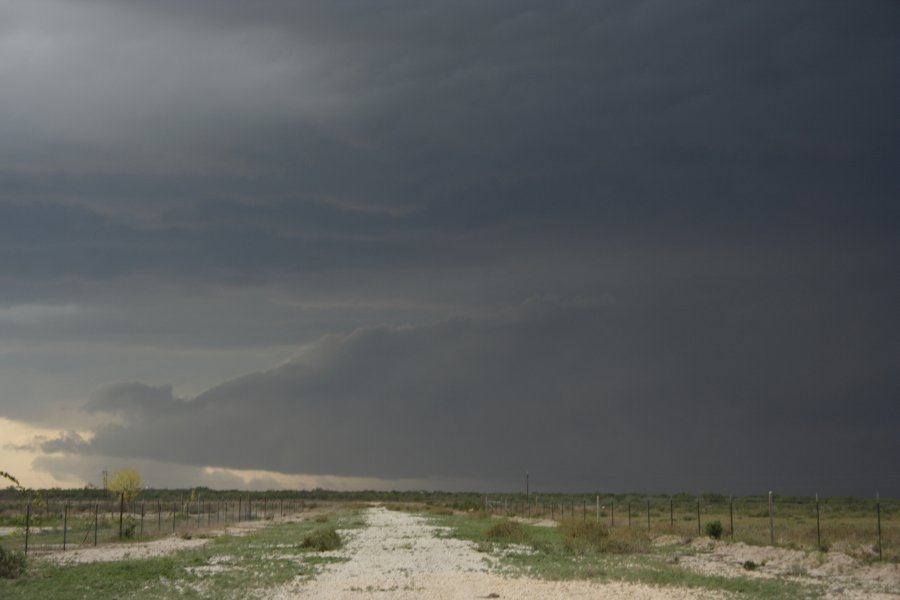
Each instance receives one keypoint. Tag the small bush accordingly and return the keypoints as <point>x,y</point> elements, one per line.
<point>714,529</point>
<point>129,529</point>
<point>506,531</point>
<point>12,564</point>
<point>749,565</point>
<point>579,536</point>
<point>323,539</point>
<point>323,518</point>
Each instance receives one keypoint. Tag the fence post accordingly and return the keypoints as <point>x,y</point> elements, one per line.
<point>142,519</point>
<point>27,524</point>
<point>648,515</point>
<point>629,514</point>
<point>121,512</point>
<point>771,521</point>
<point>96,521</point>
<point>174,509</point>
<point>878,513</point>
<point>699,531</point>
<point>598,509</point>
<point>731,515</point>
<point>65,523</point>
<point>818,528</point>
<point>612,513</point>
<point>584,510</point>
<point>159,514</point>
<point>671,514</point>
<point>240,499</point>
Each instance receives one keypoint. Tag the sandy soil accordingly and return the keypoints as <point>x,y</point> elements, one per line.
<point>843,576</point>
<point>148,549</point>
<point>398,556</point>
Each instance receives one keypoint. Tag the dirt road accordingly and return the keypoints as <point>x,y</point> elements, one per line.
<point>398,557</point>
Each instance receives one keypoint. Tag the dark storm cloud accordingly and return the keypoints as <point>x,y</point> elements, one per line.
<point>716,184</point>
<point>624,394</point>
<point>472,114</point>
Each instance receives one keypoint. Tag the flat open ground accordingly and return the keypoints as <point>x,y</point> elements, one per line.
<point>399,556</point>
<point>395,554</point>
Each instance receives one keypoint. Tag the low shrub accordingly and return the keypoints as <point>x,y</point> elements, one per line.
<point>714,529</point>
<point>12,563</point>
<point>506,531</point>
<point>322,539</point>
<point>580,537</point>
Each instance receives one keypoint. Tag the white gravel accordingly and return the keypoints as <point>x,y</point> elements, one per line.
<point>398,556</point>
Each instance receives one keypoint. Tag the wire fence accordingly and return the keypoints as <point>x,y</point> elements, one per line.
<point>869,526</point>
<point>71,524</point>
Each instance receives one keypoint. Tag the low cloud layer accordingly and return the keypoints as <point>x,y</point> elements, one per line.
<point>575,393</point>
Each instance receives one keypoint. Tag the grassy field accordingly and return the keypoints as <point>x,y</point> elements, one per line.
<point>846,524</point>
<point>580,549</point>
<point>226,567</point>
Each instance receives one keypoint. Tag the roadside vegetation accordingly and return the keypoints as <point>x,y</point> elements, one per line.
<point>228,566</point>
<point>585,549</point>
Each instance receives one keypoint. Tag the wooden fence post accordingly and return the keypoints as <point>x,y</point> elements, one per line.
<point>27,524</point>
<point>731,515</point>
<point>771,521</point>
<point>818,527</point>
<point>878,513</point>
<point>699,531</point>
<point>65,523</point>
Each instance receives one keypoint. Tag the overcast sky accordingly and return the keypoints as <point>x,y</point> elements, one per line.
<point>621,245</point>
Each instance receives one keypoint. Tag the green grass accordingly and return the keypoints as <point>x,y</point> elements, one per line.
<point>227,567</point>
<point>582,550</point>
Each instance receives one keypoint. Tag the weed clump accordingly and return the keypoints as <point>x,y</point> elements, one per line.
<point>714,529</point>
<point>506,531</point>
<point>323,539</point>
<point>580,537</point>
<point>12,563</point>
